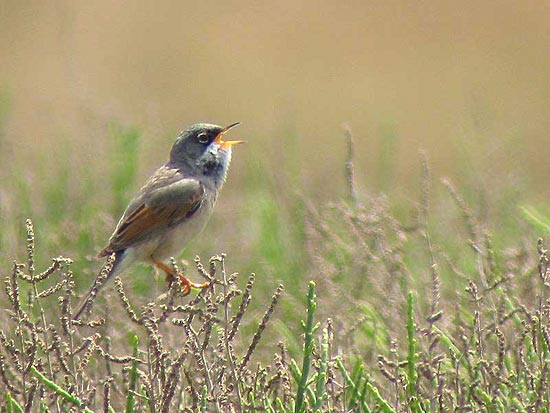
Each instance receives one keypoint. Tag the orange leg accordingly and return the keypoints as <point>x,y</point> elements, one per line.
<point>171,275</point>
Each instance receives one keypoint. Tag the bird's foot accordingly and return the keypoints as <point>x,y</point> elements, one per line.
<point>186,283</point>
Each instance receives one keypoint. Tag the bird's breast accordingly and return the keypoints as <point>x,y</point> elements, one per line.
<point>178,236</point>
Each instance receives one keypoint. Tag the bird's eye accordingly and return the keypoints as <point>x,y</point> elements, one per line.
<point>202,137</point>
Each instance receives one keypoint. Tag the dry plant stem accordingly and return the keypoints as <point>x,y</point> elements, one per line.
<point>69,331</point>
<point>151,373</point>
<point>425,189</point>
<point>245,300</point>
<point>125,302</point>
<point>19,330</point>
<point>171,382</point>
<point>228,337</point>
<point>350,173</point>
<point>477,238</point>
<point>104,275</point>
<point>435,314</point>
<point>412,357</point>
<point>199,353</point>
<point>107,396</point>
<point>261,327</point>
<point>30,268</point>
<point>320,388</point>
<point>9,385</point>
<point>130,399</point>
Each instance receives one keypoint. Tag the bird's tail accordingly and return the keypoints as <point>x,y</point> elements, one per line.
<point>107,271</point>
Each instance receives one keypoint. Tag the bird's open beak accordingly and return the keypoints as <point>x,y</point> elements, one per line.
<point>226,144</point>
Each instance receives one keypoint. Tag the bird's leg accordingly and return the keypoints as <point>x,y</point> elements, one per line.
<point>171,275</point>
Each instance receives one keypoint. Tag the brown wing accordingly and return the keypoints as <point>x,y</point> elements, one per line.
<point>154,211</point>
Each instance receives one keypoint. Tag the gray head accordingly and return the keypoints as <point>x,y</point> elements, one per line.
<point>200,150</point>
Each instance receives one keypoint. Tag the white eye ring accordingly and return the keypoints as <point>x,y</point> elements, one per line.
<point>202,137</point>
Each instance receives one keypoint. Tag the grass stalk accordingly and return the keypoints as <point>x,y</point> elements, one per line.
<point>384,405</point>
<point>309,329</point>
<point>353,385</point>
<point>61,392</point>
<point>534,218</point>
<point>11,405</point>
<point>412,375</point>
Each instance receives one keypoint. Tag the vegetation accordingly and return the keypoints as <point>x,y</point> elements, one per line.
<point>350,272</point>
<point>411,307</point>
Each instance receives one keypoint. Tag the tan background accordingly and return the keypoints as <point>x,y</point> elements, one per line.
<point>465,80</point>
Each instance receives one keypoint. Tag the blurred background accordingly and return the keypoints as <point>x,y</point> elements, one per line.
<point>92,95</point>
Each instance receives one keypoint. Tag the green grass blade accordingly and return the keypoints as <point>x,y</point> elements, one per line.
<point>58,390</point>
<point>354,390</point>
<point>533,217</point>
<point>11,405</point>
<point>384,405</point>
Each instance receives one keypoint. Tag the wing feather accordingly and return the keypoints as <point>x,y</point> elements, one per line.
<point>155,209</point>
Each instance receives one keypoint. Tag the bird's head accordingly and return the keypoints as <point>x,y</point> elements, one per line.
<point>202,150</point>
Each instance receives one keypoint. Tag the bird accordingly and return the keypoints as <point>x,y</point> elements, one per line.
<point>173,205</point>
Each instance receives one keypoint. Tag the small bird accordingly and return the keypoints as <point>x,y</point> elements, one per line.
<point>173,206</point>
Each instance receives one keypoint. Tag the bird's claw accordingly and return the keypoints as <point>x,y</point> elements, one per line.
<point>187,285</point>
